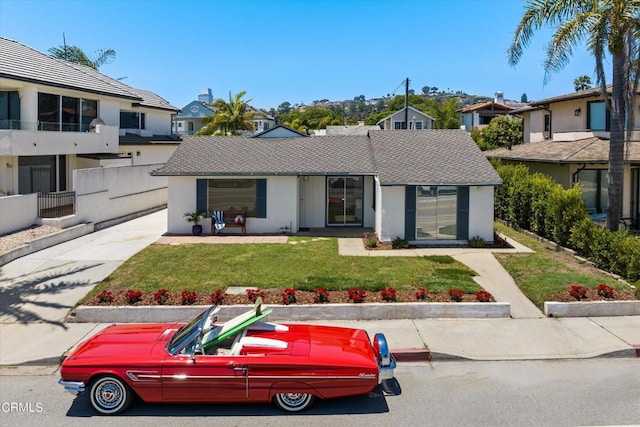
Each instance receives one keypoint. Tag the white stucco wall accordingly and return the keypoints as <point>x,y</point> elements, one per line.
<point>19,211</point>
<point>391,202</point>
<point>481,212</point>
<point>107,193</point>
<point>282,205</point>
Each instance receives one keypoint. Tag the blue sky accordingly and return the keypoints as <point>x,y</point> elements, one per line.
<point>297,51</point>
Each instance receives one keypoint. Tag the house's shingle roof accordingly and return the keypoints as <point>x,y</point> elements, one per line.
<point>427,157</point>
<point>221,155</point>
<point>589,150</point>
<point>20,62</point>
<point>430,157</point>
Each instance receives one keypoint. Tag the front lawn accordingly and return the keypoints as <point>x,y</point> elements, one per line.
<point>547,274</point>
<point>302,264</point>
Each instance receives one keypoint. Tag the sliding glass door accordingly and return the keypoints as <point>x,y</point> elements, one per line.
<point>344,200</point>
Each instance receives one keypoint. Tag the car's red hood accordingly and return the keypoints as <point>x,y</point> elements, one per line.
<point>132,342</point>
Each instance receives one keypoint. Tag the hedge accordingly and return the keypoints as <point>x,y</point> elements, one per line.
<point>537,203</point>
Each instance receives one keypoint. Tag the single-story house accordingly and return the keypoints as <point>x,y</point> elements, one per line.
<point>429,186</point>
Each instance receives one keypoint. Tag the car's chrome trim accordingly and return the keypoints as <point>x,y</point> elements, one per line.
<point>144,376</point>
<point>274,377</point>
<point>73,387</point>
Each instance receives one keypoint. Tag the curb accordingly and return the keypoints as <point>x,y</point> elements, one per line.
<point>412,355</point>
<point>364,311</point>
<point>591,308</point>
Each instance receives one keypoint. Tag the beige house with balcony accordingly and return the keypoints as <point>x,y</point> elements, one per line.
<point>567,137</point>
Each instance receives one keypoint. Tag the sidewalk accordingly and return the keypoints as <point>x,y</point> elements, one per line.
<point>37,291</point>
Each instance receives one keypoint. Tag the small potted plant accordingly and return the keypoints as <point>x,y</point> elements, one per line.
<point>195,217</point>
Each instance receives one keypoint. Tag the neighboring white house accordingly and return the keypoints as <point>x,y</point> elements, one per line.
<point>567,137</point>
<point>403,184</point>
<point>56,117</point>
<point>416,118</point>
<point>189,120</point>
<point>60,122</point>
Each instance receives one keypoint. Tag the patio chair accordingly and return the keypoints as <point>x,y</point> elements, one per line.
<point>218,221</point>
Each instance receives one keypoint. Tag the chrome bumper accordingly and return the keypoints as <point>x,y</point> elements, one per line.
<point>73,387</point>
<point>386,372</point>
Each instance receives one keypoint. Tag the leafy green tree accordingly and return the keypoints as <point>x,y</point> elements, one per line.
<point>229,117</point>
<point>426,89</point>
<point>607,26</point>
<point>502,131</point>
<point>284,108</point>
<point>78,56</point>
<point>582,83</point>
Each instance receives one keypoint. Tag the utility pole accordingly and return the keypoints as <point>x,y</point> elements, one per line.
<point>406,104</point>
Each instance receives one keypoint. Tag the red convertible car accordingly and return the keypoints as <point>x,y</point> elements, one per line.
<point>242,360</point>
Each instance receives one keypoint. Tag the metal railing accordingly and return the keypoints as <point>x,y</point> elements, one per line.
<point>7,124</point>
<point>55,205</point>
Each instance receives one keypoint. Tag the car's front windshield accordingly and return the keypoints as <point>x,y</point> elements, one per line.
<point>186,331</point>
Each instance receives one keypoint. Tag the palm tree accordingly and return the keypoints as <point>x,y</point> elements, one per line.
<point>76,55</point>
<point>229,117</point>
<point>607,26</point>
<point>582,83</point>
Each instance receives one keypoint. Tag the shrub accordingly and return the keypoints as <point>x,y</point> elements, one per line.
<point>161,296</point>
<point>605,291</point>
<point>217,297</point>
<point>566,208</point>
<point>422,294</point>
<point>253,294</point>
<point>455,294</point>
<point>637,291</point>
<point>133,296</point>
<point>578,292</point>
<point>483,296</point>
<point>388,295</point>
<point>288,296</point>
<point>371,239</point>
<point>321,296</point>
<point>188,297</point>
<point>399,243</point>
<point>356,295</point>
<point>105,297</point>
<point>477,242</point>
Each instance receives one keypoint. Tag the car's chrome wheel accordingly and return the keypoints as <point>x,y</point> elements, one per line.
<point>293,402</point>
<point>110,395</point>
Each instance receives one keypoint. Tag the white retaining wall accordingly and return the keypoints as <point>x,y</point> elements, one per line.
<point>17,212</point>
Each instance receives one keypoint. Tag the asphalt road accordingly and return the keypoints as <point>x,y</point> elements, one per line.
<point>522,393</point>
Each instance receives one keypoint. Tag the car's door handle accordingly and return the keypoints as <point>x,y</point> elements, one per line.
<point>240,369</point>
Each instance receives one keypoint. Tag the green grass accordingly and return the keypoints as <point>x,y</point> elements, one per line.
<point>305,265</point>
<point>541,275</point>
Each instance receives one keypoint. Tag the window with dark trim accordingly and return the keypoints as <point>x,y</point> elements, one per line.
<point>232,194</point>
<point>598,117</point>
<point>132,120</point>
